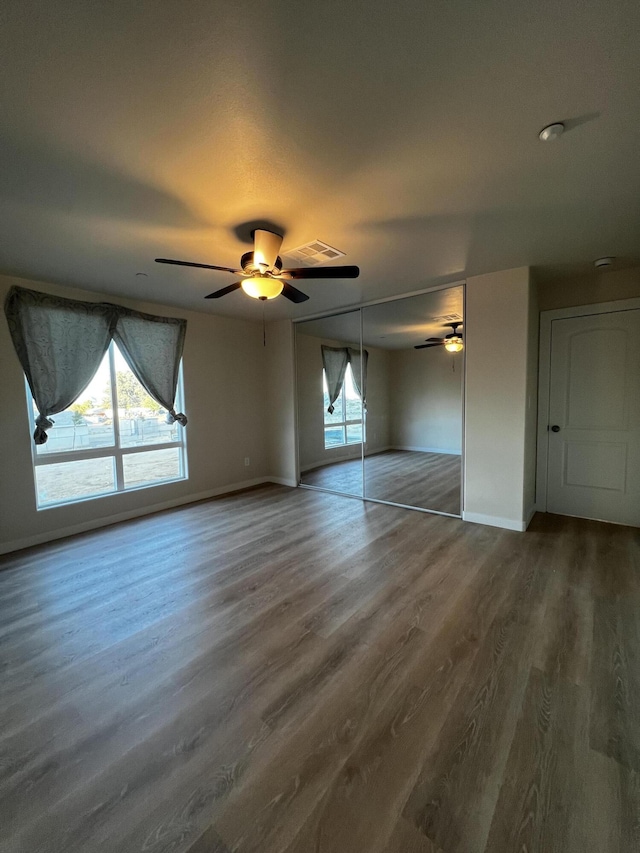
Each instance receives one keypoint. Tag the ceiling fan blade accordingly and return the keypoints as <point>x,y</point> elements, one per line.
<point>200,266</point>
<point>223,292</point>
<point>426,346</point>
<point>266,248</point>
<point>434,340</point>
<point>293,294</point>
<point>321,272</point>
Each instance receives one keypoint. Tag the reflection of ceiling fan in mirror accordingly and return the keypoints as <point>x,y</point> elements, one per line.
<point>263,276</point>
<point>451,342</point>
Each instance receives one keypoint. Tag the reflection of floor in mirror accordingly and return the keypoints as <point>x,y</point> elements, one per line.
<point>429,480</point>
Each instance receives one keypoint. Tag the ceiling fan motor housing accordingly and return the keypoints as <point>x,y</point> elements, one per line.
<point>251,268</point>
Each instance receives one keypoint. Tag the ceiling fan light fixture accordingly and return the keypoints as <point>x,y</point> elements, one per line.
<point>453,345</point>
<point>262,287</point>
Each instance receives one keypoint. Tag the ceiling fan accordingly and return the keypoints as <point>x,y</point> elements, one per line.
<point>263,276</point>
<point>452,342</point>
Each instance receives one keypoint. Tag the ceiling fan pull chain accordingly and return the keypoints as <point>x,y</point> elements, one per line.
<point>264,328</point>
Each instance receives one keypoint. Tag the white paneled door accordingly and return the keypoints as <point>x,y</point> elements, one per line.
<point>594,417</point>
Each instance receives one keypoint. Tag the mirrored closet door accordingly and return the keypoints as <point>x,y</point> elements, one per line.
<point>330,412</point>
<point>414,400</point>
<point>380,401</point>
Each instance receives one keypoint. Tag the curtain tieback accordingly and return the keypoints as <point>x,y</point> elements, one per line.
<point>42,425</point>
<point>180,417</point>
<point>330,409</point>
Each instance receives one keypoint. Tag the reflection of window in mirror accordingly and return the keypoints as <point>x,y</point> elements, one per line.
<point>345,425</point>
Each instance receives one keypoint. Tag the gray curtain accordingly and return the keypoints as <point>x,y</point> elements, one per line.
<point>358,360</point>
<point>152,347</point>
<point>334,360</point>
<point>61,342</point>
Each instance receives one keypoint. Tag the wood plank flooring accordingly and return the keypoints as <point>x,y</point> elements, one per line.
<point>427,480</point>
<point>288,671</point>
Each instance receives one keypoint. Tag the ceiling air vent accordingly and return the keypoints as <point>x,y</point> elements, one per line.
<point>314,253</point>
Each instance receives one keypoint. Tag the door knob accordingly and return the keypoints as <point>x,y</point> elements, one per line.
<point>555,428</point>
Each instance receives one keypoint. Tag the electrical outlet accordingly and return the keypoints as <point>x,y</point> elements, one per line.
<point>246,462</point>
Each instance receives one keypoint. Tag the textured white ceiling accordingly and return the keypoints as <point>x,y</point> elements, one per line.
<point>403,133</point>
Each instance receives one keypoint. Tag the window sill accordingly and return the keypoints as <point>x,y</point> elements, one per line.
<point>110,494</point>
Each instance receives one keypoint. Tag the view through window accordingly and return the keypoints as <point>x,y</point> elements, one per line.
<point>344,426</point>
<point>114,437</point>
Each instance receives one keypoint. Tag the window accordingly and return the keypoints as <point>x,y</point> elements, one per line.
<point>113,438</point>
<point>344,426</point>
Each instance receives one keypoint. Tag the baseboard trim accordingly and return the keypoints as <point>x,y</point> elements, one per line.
<point>495,521</point>
<point>427,450</point>
<point>282,481</point>
<point>95,524</point>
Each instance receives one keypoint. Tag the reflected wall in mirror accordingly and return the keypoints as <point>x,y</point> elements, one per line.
<point>330,375</point>
<point>414,418</point>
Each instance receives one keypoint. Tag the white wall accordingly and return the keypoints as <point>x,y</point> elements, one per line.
<point>378,418</point>
<point>281,414</point>
<point>225,379</point>
<point>499,377</point>
<point>531,414</point>
<point>589,289</point>
<point>426,400</point>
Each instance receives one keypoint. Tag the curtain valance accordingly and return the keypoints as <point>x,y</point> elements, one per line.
<point>61,342</point>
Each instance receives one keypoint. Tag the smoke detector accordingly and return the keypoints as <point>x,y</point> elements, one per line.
<point>551,132</point>
<point>603,262</point>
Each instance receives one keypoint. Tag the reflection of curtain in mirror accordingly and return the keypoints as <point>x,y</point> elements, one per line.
<point>334,360</point>
<point>358,363</point>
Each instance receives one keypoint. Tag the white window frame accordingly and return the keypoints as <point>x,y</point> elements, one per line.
<point>109,451</point>
<point>342,398</point>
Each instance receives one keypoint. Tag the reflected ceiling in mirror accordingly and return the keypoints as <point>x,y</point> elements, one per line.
<point>404,323</point>
<point>338,327</point>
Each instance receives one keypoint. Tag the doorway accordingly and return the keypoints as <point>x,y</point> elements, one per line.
<point>589,425</point>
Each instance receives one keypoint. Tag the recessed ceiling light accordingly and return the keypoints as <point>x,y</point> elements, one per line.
<point>551,131</point>
<point>142,275</point>
<point>604,262</point>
